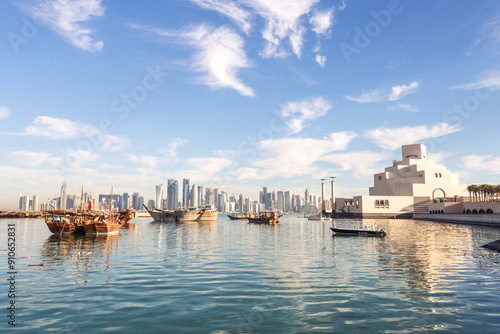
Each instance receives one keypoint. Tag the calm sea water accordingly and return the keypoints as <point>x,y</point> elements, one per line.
<point>235,277</point>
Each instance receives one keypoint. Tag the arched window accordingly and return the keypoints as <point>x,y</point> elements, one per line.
<point>489,211</point>
<point>386,203</point>
<point>474,212</point>
<point>468,211</point>
<point>481,211</point>
<point>377,204</point>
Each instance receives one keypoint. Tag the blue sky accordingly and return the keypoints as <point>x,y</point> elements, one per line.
<point>241,94</point>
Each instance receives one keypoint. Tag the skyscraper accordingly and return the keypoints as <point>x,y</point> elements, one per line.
<point>200,195</point>
<point>194,196</point>
<point>264,197</point>
<point>64,196</point>
<point>185,193</point>
<point>159,195</point>
<point>173,194</point>
<point>20,201</point>
<point>125,199</point>
<point>307,195</point>
<point>135,201</point>
<point>280,201</point>
<point>288,204</point>
<point>35,203</point>
<point>140,203</point>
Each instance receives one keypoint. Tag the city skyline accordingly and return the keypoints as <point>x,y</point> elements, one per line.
<point>276,200</point>
<point>241,94</point>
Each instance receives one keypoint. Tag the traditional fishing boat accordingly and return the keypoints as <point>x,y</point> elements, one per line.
<point>263,217</point>
<point>316,217</point>
<point>205,213</point>
<point>359,232</point>
<point>237,216</point>
<point>160,215</point>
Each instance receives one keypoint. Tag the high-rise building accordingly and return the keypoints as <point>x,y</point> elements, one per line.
<point>20,201</point>
<point>288,203</point>
<point>140,203</point>
<point>35,203</point>
<point>26,203</point>
<point>64,196</point>
<point>151,204</point>
<point>159,195</point>
<point>200,196</point>
<point>125,200</point>
<point>307,195</point>
<point>280,199</point>
<point>209,196</point>
<point>194,196</point>
<point>173,194</point>
<point>185,193</point>
<point>264,197</point>
<point>135,201</point>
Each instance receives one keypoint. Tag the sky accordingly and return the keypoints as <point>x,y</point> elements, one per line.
<point>242,94</point>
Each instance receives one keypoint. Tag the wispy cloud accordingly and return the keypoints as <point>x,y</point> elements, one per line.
<point>379,95</point>
<point>362,163</point>
<point>297,113</point>
<point>230,9</point>
<point>489,35</point>
<point>322,21</point>
<point>290,157</point>
<point>66,18</point>
<point>171,150</point>
<point>220,54</point>
<point>30,158</point>
<point>147,161</point>
<point>393,138</point>
<point>204,169</point>
<point>321,60</point>
<point>490,80</point>
<point>4,112</point>
<point>283,21</point>
<point>403,107</point>
<point>482,163</point>
<point>61,128</point>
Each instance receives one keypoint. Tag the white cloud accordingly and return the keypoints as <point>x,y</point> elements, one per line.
<point>489,80</point>
<point>220,54</point>
<point>362,163</point>
<point>204,169</point>
<point>321,60</point>
<point>322,21</point>
<point>291,157</point>
<point>30,158</point>
<point>61,128</point>
<point>66,18</point>
<point>404,107</point>
<point>489,35</point>
<point>230,9</point>
<point>393,138</point>
<point>282,22</point>
<point>297,113</point>
<point>147,161</point>
<point>57,128</point>
<point>403,90</point>
<point>377,95</point>
<point>482,163</point>
<point>4,112</point>
<point>171,150</point>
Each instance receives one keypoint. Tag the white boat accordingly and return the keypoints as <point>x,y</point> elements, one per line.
<point>316,217</point>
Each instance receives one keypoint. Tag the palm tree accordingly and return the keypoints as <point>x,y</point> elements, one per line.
<point>470,190</point>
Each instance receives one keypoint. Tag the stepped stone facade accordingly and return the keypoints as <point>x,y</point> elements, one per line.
<point>408,186</point>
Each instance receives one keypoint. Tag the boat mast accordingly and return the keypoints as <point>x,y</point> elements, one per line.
<point>111,199</point>
<point>322,197</point>
<point>81,201</point>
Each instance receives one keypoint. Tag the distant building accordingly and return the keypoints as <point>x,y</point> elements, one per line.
<point>35,203</point>
<point>63,197</point>
<point>194,196</point>
<point>185,193</point>
<point>140,204</point>
<point>408,186</point>
<point>288,203</point>
<point>280,201</point>
<point>173,194</point>
<point>159,195</point>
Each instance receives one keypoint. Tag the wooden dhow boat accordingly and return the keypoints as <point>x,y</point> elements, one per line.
<point>263,217</point>
<point>237,216</point>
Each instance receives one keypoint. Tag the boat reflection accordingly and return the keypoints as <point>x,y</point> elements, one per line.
<point>85,251</point>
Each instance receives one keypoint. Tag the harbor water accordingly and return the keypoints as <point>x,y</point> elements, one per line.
<point>236,277</point>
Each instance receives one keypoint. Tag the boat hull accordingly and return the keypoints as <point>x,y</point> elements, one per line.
<point>102,227</point>
<point>365,233</point>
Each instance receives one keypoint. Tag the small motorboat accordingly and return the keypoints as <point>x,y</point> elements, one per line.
<point>359,232</point>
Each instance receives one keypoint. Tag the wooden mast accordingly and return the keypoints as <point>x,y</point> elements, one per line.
<point>111,200</point>
<point>81,201</point>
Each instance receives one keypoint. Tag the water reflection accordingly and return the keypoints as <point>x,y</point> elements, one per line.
<point>79,253</point>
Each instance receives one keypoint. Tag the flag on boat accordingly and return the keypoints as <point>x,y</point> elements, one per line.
<point>90,205</point>
<point>53,207</point>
